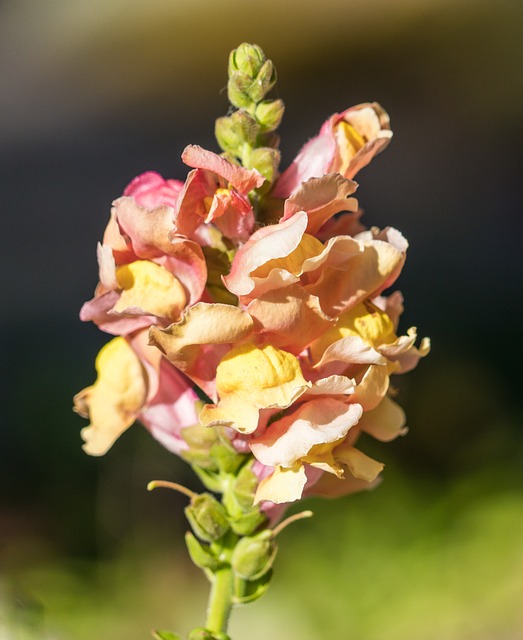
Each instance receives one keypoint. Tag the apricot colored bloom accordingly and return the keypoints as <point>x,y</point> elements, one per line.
<point>284,327</point>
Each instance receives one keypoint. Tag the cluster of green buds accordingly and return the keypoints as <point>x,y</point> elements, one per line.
<point>229,540</point>
<point>247,136</point>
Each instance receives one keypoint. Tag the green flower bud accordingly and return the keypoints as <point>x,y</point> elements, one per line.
<point>200,440</point>
<point>207,517</point>
<point>266,161</point>
<point>269,114</point>
<point>253,556</point>
<point>248,522</point>
<point>263,83</point>
<point>234,131</point>
<point>247,59</point>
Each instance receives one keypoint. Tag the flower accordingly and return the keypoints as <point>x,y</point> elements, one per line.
<point>347,142</point>
<point>284,327</point>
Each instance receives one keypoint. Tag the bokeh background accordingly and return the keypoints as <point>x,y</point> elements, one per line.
<point>93,93</point>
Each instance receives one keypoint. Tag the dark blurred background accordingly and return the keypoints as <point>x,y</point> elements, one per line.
<point>94,93</point>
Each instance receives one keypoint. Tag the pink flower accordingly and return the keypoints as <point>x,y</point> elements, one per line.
<point>347,142</point>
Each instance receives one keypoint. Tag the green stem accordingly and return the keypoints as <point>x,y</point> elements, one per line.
<point>220,601</point>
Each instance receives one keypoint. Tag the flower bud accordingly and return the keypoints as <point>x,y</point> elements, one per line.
<point>232,132</point>
<point>253,556</point>
<point>247,59</point>
<point>266,161</point>
<point>207,517</point>
<point>248,522</point>
<point>269,114</point>
<point>263,83</point>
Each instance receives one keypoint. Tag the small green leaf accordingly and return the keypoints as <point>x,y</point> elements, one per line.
<point>201,554</point>
<point>249,591</point>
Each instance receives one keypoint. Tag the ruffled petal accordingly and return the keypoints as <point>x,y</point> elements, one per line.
<point>284,485</point>
<point>244,180</point>
<point>250,378</point>
<point>197,343</point>
<point>114,401</point>
<point>322,198</point>
<point>318,421</point>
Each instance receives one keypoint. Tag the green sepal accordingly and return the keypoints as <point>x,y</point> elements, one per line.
<point>254,556</point>
<point>263,83</point>
<point>201,554</point>
<point>244,487</point>
<point>207,517</point>
<point>199,440</point>
<point>249,591</point>
<point>210,478</point>
<point>165,635</point>
<point>226,458</point>
<point>248,522</point>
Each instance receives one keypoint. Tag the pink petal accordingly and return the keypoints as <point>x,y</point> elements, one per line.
<point>312,161</point>
<point>150,190</point>
<point>244,180</point>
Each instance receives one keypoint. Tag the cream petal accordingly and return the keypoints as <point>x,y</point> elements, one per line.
<point>284,485</point>
<point>291,438</point>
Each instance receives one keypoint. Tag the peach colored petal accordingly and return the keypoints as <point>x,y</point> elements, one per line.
<point>372,388</point>
<point>361,132</point>
<point>244,180</point>
<point>250,378</point>
<point>284,485</point>
<point>349,350</point>
<point>268,243</point>
<point>318,421</point>
<point>147,229</point>
<point>329,486</point>
<point>99,311</point>
<point>197,343</point>
<point>342,283</point>
<point>288,318</point>
<point>357,463</point>
<point>322,198</point>
<point>334,385</point>
<point>115,399</point>
<point>385,422</point>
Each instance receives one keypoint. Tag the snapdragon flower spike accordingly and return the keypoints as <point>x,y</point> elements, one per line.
<point>284,327</point>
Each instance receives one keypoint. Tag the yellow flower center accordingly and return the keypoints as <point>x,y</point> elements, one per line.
<point>149,286</point>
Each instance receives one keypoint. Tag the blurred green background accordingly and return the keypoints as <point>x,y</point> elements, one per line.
<point>94,93</point>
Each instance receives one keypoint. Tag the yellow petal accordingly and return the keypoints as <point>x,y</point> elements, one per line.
<point>284,485</point>
<point>149,286</point>
<point>360,465</point>
<point>115,399</point>
<point>197,343</point>
<point>250,378</point>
